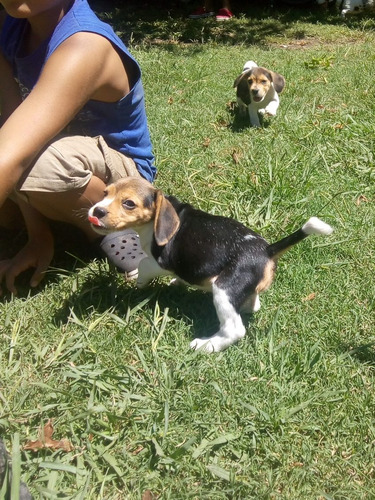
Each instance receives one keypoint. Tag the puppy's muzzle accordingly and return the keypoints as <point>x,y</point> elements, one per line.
<point>256,95</point>
<point>97,214</point>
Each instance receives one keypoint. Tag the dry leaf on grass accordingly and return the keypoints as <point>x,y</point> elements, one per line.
<point>235,157</point>
<point>45,440</point>
<point>311,296</point>
<point>361,199</point>
<point>148,495</point>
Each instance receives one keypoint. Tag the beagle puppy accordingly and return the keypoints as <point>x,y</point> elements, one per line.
<point>209,252</point>
<point>258,91</point>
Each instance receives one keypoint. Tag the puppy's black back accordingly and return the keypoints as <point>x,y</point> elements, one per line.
<point>207,244</point>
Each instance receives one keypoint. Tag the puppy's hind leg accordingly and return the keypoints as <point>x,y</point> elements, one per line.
<point>251,305</point>
<point>231,327</point>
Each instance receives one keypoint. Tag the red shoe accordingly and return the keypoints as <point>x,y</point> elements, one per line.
<point>201,13</point>
<point>224,15</point>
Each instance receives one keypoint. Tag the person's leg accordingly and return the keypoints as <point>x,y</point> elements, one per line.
<point>10,216</point>
<point>70,206</point>
<point>69,177</point>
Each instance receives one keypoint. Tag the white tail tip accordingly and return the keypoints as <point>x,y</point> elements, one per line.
<point>316,226</point>
<point>249,65</point>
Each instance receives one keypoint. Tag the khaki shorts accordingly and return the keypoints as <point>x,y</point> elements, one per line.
<point>68,163</point>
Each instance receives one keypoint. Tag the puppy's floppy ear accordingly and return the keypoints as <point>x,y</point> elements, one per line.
<point>278,81</point>
<point>240,77</point>
<point>166,221</point>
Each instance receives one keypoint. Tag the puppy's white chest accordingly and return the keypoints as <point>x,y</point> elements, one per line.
<point>271,96</point>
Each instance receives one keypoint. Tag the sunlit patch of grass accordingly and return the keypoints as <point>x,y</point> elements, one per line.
<point>286,413</point>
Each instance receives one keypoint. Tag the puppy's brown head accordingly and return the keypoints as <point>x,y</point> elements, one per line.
<point>133,202</point>
<point>256,82</point>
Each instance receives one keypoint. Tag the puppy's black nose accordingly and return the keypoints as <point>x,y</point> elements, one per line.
<point>99,212</point>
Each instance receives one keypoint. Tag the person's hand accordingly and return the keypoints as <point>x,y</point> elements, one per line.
<point>36,254</point>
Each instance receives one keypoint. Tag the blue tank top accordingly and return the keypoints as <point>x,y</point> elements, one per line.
<point>123,124</point>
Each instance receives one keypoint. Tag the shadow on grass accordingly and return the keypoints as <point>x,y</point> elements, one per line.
<point>72,251</point>
<point>239,122</point>
<point>364,353</point>
<point>167,24</point>
<point>101,290</point>
<point>101,293</point>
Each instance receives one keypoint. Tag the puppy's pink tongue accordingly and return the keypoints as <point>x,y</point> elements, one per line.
<point>94,220</point>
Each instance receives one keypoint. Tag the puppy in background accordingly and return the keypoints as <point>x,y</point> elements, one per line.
<point>257,91</point>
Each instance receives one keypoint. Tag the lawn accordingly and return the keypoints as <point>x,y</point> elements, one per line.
<point>288,412</point>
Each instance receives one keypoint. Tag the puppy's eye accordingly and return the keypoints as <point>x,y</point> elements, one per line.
<point>264,82</point>
<point>105,193</point>
<point>128,204</point>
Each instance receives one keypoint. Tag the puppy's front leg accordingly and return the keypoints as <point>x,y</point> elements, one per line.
<point>148,269</point>
<point>272,106</point>
<point>254,118</point>
<point>251,305</point>
<point>231,327</point>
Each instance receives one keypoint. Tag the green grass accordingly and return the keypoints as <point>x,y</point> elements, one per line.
<point>288,413</point>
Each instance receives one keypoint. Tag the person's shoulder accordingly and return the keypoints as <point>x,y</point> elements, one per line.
<point>86,41</point>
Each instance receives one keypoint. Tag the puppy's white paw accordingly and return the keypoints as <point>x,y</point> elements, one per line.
<point>203,344</point>
<point>271,109</point>
<point>216,343</point>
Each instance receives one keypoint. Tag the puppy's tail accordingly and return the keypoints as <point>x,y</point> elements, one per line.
<point>249,65</point>
<point>312,226</point>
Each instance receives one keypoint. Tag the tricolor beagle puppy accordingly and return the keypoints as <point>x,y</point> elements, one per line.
<point>257,91</point>
<point>209,252</point>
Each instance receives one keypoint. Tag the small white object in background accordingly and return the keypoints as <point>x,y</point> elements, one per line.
<point>353,6</point>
